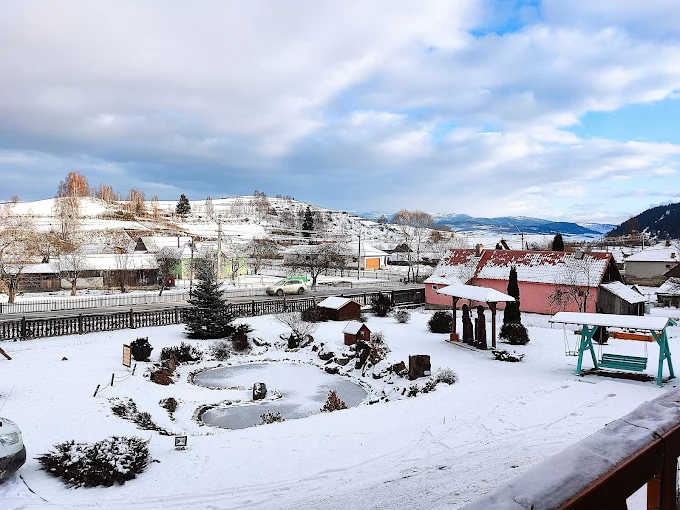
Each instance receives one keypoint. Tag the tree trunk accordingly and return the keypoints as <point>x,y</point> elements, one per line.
<point>73,287</point>
<point>11,291</point>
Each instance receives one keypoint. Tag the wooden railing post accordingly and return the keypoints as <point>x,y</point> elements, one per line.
<point>23,327</point>
<point>80,324</point>
<point>132,318</point>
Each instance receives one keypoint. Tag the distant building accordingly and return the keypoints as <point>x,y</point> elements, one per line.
<point>649,266</point>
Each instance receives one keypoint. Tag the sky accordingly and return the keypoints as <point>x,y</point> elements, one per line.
<point>564,110</point>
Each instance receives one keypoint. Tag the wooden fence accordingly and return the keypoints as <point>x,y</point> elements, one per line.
<point>27,328</point>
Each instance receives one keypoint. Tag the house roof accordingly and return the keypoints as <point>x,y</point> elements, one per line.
<point>156,243</point>
<point>367,250</point>
<point>670,287</point>
<point>657,253</point>
<point>586,269</point>
<point>353,327</point>
<point>481,294</point>
<point>335,302</point>
<point>624,292</point>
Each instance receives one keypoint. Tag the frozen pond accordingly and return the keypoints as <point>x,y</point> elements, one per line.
<point>304,388</point>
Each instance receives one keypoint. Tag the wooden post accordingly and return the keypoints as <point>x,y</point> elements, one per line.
<point>80,324</point>
<point>176,315</point>
<point>132,319</point>
<point>492,307</point>
<point>112,376</point>
<point>95,391</point>
<point>454,301</point>
<point>23,327</point>
<point>5,354</point>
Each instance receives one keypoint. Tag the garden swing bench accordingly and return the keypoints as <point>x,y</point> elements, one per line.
<point>654,326</point>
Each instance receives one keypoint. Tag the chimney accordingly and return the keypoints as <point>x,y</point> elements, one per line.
<point>479,249</point>
<point>578,254</point>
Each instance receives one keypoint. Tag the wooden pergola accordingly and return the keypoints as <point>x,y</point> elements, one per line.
<point>479,294</point>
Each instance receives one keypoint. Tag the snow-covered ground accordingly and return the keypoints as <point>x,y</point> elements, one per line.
<point>438,450</point>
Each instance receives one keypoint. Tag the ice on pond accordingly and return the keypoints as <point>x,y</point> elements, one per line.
<point>304,389</point>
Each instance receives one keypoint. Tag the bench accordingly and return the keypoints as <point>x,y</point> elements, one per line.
<point>621,362</point>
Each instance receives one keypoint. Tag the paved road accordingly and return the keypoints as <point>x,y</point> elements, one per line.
<point>323,292</point>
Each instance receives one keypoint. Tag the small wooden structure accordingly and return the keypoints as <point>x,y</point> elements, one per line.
<point>340,309</point>
<point>656,326</point>
<point>355,331</point>
<point>473,293</point>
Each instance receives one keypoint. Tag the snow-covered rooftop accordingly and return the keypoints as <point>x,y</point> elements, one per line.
<point>352,327</point>
<point>611,320</point>
<point>335,302</point>
<point>657,253</point>
<point>670,286</point>
<point>481,294</point>
<point>583,269</point>
<point>624,292</point>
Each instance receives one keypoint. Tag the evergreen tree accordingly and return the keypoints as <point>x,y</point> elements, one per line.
<point>208,315</point>
<point>512,313</point>
<point>512,329</point>
<point>308,223</point>
<point>558,243</point>
<point>183,207</point>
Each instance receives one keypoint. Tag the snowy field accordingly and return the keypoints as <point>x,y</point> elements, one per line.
<point>436,450</point>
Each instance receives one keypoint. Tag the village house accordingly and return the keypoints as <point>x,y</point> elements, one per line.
<point>339,309</point>
<point>543,276</point>
<point>649,266</point>
<point>669,293</point>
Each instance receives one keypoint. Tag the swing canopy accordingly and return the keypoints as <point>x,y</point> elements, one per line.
<point>591,321</point>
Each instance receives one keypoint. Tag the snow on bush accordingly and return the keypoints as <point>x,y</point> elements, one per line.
<point>402,316</point>
<point>141,349</point>
<point>379,349</point>
<point>514,333</point>
<point>184,353</point>
<point>446,375</point>
<point>270,417</point>
<point>413,390</point>
<point>381,304</point>
<point>107,462</point>
<point>220,350</point>
<point>503,355</point>
<point>333,403</point>
<point>440,322</point>
<point>127,409</point>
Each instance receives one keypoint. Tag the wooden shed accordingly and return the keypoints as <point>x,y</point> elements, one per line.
<point>340,309</point>
<point>355,331</point>
<point>618,298</point>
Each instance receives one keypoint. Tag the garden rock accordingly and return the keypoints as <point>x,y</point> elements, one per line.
<point>418,366</point>
<point>363,351</point>
<point>342,360</point>
<point>332,370</point>
<point>170,404</point>
<point>259,390</point>
<point>398,368</point>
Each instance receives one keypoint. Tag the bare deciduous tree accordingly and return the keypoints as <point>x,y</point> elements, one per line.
<point>17,249</point>
<point>260,249</point>
<point>580,274</point>
<point>414,227</point>
<point>315,259</point>
<point>209,208</point>
<point>72,265</point>
<point>167,267</point>
<point>293,320</point>
<point>136,202</point>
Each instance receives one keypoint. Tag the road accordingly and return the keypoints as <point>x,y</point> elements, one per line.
<point>323,292</point>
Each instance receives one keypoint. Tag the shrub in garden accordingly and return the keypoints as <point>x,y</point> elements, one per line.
<point>107,462</point>
<point>430,385</point>
<point>333,403</point>
<point>503,355</point>
<point>184,353</point>
<point>446,375</point>
<point>270,417</point>
<point>127,409</point>
<point>514,333</point>
<point>141,349</point>
<point>239,340</point>
<point>220,350</point>
<point>313,314</point>
<point>413,390</point>
<point>381,304</point>
<point>379,349</point>
<point>440,322</point>
<point>402,315</point>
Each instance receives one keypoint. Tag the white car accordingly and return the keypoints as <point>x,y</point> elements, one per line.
<point>12,449</point>
<point>286,287</point>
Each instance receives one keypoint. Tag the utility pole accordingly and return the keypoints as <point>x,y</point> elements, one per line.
<point>191,268</point>
<point>359,259</point>
<point>219,251</point>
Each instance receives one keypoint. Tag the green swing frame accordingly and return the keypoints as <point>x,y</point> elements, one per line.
<point>618,361</point>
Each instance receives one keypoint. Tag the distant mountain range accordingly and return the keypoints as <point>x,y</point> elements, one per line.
<point>507,224</point>
<point>662,222</point>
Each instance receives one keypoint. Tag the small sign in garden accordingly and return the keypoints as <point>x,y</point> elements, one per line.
<point>127,356</point>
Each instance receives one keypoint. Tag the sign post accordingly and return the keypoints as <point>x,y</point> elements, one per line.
<point>127,356</point>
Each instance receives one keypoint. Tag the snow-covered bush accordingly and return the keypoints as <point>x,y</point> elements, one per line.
<point>184,353</point>
<point>379,349</point>
<point>239,340</point>
<point>141,349</point>
<point>413,390</point>
<point>440,322</point>
<point>446,375</point>
<point>430,385</point>
<point>402,316</point>
<point>313,314</point>
<point>503,355</point>
<point>381,304</point>
<point>270,417</point>
<point>333,403</point>
<point>127,409</point>
<point>107,462</point>
<point>514,333</point>
<point>220,350</point>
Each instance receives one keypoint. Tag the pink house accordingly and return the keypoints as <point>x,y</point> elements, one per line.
<point>576,275</point>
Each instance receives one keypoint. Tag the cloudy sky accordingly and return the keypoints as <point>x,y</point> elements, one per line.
<point>556,109</point>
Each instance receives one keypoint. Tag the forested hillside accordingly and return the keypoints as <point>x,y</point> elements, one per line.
<point>662,222</point>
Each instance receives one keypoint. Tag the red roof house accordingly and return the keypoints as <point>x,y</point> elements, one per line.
<point>539,274</point>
